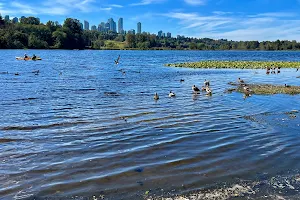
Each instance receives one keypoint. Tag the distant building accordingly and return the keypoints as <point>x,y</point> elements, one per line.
<point>132,31</point>
<point>107,27</point>
<point>86,25</point>
<point>180,36</point>
<point>99,28</point>
<point>164,35</point>
<point>169,35</point>
<point>160,33</point>
<point>6,18</point>
<point>81,25</point>
<point>114,27</point>
<point>15,20</point>
<point>22,18</point>
<point>120,26</point>
<point>139,27</point>
<point>112,24</point>
<point>93,28</point>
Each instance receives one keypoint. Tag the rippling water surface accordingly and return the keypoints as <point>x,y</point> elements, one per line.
<point>85,127</point>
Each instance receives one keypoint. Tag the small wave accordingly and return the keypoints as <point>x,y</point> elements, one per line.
<point>26,128</point>
<point>26,99</point>
<point>6,140</point>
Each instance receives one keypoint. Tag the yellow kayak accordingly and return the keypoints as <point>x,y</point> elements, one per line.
<point>28,58</point>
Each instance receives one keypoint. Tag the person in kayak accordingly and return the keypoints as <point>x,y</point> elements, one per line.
<point>33,57</point>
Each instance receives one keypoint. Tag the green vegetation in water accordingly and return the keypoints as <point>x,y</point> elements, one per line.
<point>266,89</point>
<point>236,64</point>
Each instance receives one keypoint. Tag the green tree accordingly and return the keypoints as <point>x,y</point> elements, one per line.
<point>130,40</point>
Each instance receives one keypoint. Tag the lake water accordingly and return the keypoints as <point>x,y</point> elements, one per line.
<point>86,127</point>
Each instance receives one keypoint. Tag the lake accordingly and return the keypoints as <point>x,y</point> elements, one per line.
<point>84,127</point>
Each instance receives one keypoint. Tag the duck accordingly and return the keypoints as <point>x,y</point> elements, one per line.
<point>172,94</point>
<point>208,91</point>
<point>156,97</point>
<point>273,71</point>
<point>241,81</point>
<point>297,69</point>
<point>181,80</point>
<point>17,74</point>
<point>203,88</point>
<point>195,88</point>
<point>36,72</point>
<point>285,85</point>
<point>247,90</point>
<point>206,83</point>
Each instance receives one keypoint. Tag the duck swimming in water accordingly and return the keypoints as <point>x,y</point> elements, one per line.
<point>156,97</point>
<point>172,94</point>
<point>195,89</point>
<point>208,91</point>
<point>241,81</point>
<point>206,83</point>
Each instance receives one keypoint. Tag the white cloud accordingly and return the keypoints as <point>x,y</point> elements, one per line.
<point>115,6</point>
<point>195,2</point>
<point>146,2</point>
<point>238,26</point>
<point>53,7</point>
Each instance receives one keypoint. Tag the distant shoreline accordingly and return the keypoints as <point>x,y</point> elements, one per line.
<point>156,49</point>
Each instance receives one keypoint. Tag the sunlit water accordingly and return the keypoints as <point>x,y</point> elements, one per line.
<point>83,128</point>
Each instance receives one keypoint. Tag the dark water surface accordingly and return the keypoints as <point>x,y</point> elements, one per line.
<point>83,128</point>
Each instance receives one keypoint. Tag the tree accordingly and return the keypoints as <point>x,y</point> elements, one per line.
<point>74,33</point>
<point>30,20</point>
<point>59,38</point>
<point>130,40</point>
<point>35,43</point>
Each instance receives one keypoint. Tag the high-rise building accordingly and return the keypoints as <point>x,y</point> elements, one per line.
<point>114,27</point>
<point>6,18</point>
<point>15,20</point>
<point>99,28</point>
<point>111,24</point>
<point>107,27</point>
<point>120,26</point>
<point>86,25</point>
<point>81,25</point>
<point>159,33</point>
<point>139,27</point>
<point>169,35</point>
<point>93,28</point>
<point>164,35</point>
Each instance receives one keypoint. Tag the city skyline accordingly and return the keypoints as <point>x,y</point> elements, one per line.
<point>110,25</point>
<point>222,19</point>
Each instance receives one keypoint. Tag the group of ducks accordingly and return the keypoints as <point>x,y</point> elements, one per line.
<point>274,70</point>
<point>195,89</point>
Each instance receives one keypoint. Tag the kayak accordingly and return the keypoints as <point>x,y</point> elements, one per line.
<point>28,58</point>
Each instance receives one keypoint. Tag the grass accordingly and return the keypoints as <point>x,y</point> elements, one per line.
<point>111,44</point>
<point>236,64</point>
<point>267,89</point>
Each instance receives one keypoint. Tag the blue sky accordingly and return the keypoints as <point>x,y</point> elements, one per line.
<point>229,19</point>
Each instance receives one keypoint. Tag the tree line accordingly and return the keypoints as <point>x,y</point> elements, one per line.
<point>31,33</point>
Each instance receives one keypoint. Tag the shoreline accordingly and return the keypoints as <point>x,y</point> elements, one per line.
<point>163,49</point>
